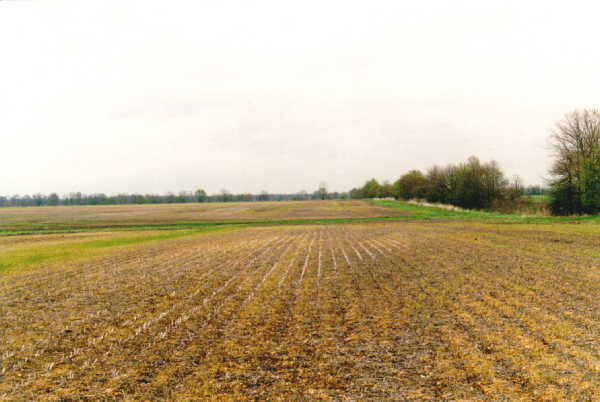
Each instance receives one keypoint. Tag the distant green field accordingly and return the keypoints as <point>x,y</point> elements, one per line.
<point>415,211</point>
<point>541,198</point>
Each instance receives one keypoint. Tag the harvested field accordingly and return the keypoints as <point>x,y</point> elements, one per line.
<point>396,311</point>
<point>118,215</point>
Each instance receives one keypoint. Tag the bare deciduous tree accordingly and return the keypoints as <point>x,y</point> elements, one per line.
<point>575,143</point>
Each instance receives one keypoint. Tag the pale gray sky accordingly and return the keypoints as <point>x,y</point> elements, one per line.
<point>154,96</point>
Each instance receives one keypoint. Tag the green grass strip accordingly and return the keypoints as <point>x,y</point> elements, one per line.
<point>422,212</point>
<point>25,258</point>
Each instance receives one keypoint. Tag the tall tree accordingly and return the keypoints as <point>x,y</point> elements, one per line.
<point>575,183</point>
<point>200,195</point>
<point>370,189</point>
<point>411,185</point>
<point>322,191</point>
<point>386,190</point>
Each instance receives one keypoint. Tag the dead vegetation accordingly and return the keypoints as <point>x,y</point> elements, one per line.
<point>118,215</point>
<point>397,311</point>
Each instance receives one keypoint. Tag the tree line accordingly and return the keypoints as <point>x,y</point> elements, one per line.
<point>472,184</point>
<point>77,198</point>
<point>573,186</point>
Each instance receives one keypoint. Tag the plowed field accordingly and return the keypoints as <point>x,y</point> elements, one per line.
<point>400,311</point>
<point>122,215</point>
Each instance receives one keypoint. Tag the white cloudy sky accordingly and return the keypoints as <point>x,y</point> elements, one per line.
<point>154,96</point>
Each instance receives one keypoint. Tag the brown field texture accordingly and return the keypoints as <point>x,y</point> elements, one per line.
<point>385,311</point>
<point>111,215</point>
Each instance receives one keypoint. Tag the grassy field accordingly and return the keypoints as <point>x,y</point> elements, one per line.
<point>419,212</point>
<point>540,198</point>
<point>443,305</point>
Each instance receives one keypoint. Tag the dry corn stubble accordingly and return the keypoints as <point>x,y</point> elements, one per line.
<point>369,311</point>
<point>150,214</point>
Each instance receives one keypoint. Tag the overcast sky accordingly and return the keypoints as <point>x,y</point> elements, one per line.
<point>155,96</point>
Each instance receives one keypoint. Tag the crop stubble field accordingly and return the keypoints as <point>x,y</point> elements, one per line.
<point>399,311</point>
<point>118,215</point>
